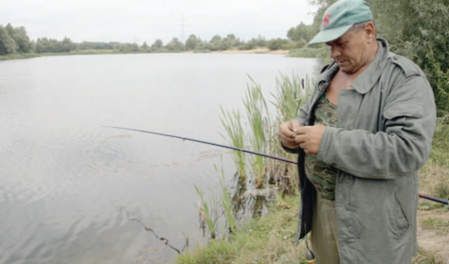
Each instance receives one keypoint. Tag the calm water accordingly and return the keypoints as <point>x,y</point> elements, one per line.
<point>69,187</point>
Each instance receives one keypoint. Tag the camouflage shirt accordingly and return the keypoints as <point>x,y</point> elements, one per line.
<point>321,175</point>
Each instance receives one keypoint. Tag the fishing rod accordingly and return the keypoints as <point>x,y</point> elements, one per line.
<point>433,199</point>
<point>423,196</point>
<point>207,143</point>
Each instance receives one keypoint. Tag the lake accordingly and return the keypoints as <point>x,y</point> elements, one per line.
<point>71,189</point>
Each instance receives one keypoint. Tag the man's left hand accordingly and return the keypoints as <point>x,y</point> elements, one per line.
<point>309,138</point>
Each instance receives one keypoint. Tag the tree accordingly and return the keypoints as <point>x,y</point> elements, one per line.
<point>88,45</point>
<point>418,29</point>
<point>41,45</point>
<point>216,43</point>
<point>276,44</point>
<point>302,33</point>
<point>253,43</point>
<point>128,47</point>
<point>7,43</point>
<point>20,37</point>
<point>67,45</point>
<point>175,45</point>
<point>193,43</point>
<point>22,40</point>
<point>144,47</point>
<point>157,45</point>
<point>230,41</point>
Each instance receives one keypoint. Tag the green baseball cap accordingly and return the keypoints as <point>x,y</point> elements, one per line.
<point>340,17</point>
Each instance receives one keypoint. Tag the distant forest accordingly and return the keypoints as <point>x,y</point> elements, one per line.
<point>15,40</point>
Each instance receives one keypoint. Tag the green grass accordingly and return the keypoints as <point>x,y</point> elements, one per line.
<point>18,56</point>
<point>227,204</point>
<point>425,257</point>
<point>434,176</point>
<point>432,223</point>
<point>232,123</point>
<point>258,120</point>
<point>206,215</point>
<point>440,153</point>
<point>269,239</point>
<point>307,52</point>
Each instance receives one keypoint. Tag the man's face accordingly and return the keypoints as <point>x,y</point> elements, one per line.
<point>349,51</point>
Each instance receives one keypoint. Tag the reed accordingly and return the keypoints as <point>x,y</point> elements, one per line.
<point>232,123</point>
<point>262,125</point>
<point>290,94</point>
<point>227,204</point>
<point>260,132</point>
<point>259,123</point>
<point>205,214</point>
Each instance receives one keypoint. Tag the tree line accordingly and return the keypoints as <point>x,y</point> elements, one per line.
<point>15,40</point>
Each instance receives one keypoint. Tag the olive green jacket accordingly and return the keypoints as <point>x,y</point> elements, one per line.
<point>384,134</point>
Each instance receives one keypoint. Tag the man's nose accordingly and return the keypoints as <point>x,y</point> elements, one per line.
<point>335,52</point>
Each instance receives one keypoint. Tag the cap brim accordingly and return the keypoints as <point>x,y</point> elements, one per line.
<point>329,35</point>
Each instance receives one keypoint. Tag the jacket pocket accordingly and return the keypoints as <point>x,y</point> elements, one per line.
<point>399,223</point>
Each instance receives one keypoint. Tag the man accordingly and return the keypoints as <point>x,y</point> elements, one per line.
<point>361,139</point>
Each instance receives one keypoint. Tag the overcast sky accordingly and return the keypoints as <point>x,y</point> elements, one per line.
<point>148,20</point>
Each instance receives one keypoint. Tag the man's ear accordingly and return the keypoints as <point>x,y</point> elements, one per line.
<point>370,30</point>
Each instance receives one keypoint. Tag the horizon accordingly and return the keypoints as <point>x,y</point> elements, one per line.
<point>139,21</point>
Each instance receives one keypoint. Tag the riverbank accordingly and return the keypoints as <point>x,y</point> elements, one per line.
<point>270,238</point>
<point>18,56</point>
<point>254,51</point>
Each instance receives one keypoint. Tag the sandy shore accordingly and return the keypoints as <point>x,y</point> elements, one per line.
<point>253,51</point>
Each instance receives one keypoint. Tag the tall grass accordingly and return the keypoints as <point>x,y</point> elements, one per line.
<point>232,123</point>
<point>227,203</point>
<point>206,214</point>
<point>259,123</point>
<point>263,240</point>
<point>439,154</point>
<point>290,93</point>
<point>434,177</point>
<point>259,134</point>
<point>262,122</point>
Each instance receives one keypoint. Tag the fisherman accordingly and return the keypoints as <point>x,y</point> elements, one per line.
<point>361,138</point>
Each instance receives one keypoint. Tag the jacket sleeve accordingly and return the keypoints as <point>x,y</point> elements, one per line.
<point>401,148</point>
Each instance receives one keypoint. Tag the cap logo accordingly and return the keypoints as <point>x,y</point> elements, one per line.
<point>326,19</point>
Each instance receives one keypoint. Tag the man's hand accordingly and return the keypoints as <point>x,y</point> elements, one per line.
<point>309,138</point>
<point>287,133</point>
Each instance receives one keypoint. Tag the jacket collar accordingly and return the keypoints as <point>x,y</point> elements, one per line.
<point>366,80</point>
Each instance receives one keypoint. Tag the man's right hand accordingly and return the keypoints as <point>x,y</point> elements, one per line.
<point>287,133</point>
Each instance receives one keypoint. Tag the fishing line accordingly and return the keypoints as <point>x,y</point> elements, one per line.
<point>423,196</point>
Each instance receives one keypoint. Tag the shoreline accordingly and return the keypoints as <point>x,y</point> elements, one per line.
<point>19,56</point>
